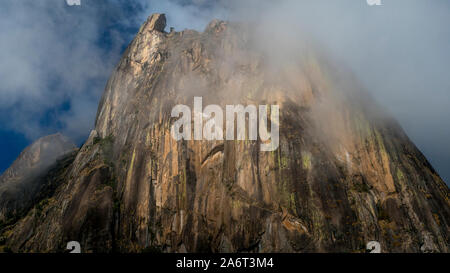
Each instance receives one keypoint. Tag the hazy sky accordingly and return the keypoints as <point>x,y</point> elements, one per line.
<point>55,58</point>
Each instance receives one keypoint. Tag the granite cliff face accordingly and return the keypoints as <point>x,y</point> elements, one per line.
<point>344,173</point>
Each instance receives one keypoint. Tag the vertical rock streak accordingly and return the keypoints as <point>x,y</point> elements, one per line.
<point>344,174</point>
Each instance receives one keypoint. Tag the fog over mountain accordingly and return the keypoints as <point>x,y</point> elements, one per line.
<point>56,58</point>
<point>340,173</point>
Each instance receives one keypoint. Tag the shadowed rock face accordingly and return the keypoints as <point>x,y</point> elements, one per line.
<point>344,173</point>
<point>21,183</point>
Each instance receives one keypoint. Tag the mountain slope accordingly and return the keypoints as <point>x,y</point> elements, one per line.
<point>344,174</point>
<point>22,182</point>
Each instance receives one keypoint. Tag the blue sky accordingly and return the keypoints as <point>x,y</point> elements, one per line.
<point>56,59</point>
<point>47,66</point>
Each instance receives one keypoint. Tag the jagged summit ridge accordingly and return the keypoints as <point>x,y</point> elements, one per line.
<point>340,178</point>
<point>156,22</point>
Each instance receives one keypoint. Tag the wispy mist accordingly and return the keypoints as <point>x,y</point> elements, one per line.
<point>399,51</point>
<point>56,58</point>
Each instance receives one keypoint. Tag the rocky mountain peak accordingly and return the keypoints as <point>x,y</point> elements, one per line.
<point>341,176</point>
<point>216,26</point>
<point>21,181</point>
<point>156,21</point>
<point>40,154</point>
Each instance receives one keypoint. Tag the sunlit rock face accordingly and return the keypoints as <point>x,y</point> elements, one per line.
<point>343,175</point>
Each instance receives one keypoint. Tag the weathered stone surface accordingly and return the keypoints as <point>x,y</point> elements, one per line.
<point>155,22</point>
<point>344,173</point>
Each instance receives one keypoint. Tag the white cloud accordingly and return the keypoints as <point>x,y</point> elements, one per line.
<point>52,57</point>
<point>50,54</point>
